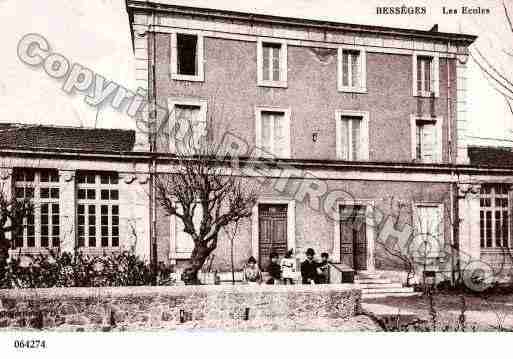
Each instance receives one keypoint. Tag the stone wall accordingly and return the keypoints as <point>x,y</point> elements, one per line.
<point>130,308</point>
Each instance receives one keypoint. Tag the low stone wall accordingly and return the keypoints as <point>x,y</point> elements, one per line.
<point>172,307</point>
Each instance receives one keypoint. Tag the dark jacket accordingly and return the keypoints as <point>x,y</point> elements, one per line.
<point>309,271</point>
<point>274,270</point>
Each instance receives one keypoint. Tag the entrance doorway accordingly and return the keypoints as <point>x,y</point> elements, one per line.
<point>272,232</point>
<point>353,237</point>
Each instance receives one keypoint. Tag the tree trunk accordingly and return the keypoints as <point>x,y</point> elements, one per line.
<point>199,255</point>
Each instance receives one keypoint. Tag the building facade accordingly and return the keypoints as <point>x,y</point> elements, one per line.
<point>364,127</point>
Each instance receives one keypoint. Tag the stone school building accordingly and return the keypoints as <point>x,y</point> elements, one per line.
<point>374,112</point>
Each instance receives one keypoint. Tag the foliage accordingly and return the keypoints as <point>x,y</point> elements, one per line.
<point>56,269</point>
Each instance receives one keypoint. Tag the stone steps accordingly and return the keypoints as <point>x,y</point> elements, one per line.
<point>373,285</point>
<point>396,289</point>
<point>373,281</point>
<point>386,295</point>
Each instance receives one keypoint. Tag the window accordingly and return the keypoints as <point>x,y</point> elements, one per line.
<point>272,63</point>
<point>187,57</point>
<point>426,139</point>
<point>429,227</point>
<point>273,132</point>
<point>352,135</point>
<point>352,72</point>
<point>42,227</point>
<point>494,216</point>
<point>183,243</point>
<point>425,75</point>
<point>187,125</point>
<point>97,210</point>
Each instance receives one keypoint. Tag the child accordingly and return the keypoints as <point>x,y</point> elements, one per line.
<point>274,269</point>
<point>323,270</point>
<point>252,273</point>
<point>288,268</point>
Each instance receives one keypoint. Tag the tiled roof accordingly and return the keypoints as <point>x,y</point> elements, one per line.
<point>490,156</point>
<point>66,138</point>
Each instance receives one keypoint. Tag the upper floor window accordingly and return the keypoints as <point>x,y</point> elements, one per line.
<point>352,69</point>
<point>494,216</point>
<point>426,139</point>
<point>187,125</point>
<point>97,210</point>
<point>272,63</point>
<point>273,132</point>
<point>352,135</point>
<point>425,75</point>
<point>41,229</point>
<point>187,57</point>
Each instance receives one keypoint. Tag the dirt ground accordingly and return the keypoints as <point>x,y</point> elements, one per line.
<point>490,313</point>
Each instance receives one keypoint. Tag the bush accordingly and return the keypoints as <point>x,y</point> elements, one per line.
<point>57,269</point>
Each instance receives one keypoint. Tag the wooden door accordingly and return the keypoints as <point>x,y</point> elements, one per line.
<point>353,237</point>
<point>272,232</point>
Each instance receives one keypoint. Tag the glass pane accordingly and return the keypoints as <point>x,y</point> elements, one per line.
<point>344,138</point>
<point>345,68</point>
<point>356,139</point>
<point>266,51</point>
<point>276,63</point>
<point>355,81</point>
<point>266,131</point>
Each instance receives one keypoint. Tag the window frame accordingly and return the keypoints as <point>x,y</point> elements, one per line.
<point>174,251</point>
<point>200,76</point>
<point>493,209</point>
<point>37,200</point>
<point>283,82</point>
<point>184,101</point>
<point>362,66</point>
<point>98,202</point>
<point>435,73</point>
<point>415,214</point>
<point>258,129</point>
<point>364,132</point>
<point>438,156</point>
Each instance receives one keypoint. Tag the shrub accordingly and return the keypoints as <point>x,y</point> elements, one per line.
<point>57,269</point>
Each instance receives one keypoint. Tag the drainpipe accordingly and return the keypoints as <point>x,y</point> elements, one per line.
<point>153,163</point>
<point>453,212</point>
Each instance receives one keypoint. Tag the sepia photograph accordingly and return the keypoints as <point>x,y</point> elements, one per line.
<point>291,170</point>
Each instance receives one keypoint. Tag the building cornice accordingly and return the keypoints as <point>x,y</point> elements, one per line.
<point>229,15</point>
<point>303,164</point>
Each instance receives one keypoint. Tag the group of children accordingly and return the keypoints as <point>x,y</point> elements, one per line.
<point>285,271</point>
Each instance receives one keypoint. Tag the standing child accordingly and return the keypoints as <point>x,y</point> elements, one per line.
<point>288,268</point>
<point>323,270</point>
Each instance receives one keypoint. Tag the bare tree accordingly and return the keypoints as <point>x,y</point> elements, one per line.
<point>204,186</point>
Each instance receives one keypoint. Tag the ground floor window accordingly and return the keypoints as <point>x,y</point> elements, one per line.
<point>97,210</point>
<point>494,216</point>
<point>41,229</point>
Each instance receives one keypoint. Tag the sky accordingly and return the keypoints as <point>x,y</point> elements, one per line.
<point>95,33</point>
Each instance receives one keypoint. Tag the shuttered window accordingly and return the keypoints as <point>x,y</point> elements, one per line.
<point>274,134</point>
<point>351,69</point>
<point>183,241</point>
<point>351,138</point>
<point>271,61</point>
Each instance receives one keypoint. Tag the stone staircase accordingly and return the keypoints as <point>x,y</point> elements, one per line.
<point>375,286</point>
